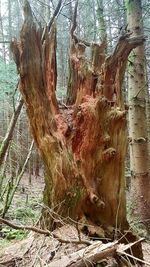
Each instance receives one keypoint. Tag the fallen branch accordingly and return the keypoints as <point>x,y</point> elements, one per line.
<point>95,252</point>
<point>87,256</point>
<point>43,232</point>
<point>91,254</point>
<point>128,246</point>
<point>135,258</point>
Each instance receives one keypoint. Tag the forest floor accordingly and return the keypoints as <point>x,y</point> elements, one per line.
<point>25,210</point>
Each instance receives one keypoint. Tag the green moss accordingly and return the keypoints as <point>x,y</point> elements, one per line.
<point>101,264</point>
<point>10,234</point>
<point>48,188</point>
<point>75,194</point>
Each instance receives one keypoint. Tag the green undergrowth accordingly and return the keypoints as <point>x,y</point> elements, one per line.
<point>10,234</point>
<point>23,211</point>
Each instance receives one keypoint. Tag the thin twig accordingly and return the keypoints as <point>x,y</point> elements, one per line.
<point>13,96</point>
<point>37,254</point>
<point>41,231</point>
<point>134,243</point>
<point>135,258</point>
<point>5,42</point>
<point>78,231</point>
<point>55,14</point>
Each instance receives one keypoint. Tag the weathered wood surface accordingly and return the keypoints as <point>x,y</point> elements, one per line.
<point>87,256</point>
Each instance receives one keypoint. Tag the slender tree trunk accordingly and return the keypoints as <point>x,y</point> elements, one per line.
<point>37,164</point>
<point>19,17</point>
<point>94,21</point>
<point>3,170</point>
<point>101,22</point>
<point>110,40</point>
<point>9,134</point>
<point>10,22</point>
<point>140,182</point>
<point>13,187</point>
<point>62,77</point>
<point>2,34</point>
<point>47,11</point>
<point>83,146</point>
<point>147,105</point>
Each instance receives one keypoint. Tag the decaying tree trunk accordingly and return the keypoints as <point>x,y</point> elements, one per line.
<point>83,145</point>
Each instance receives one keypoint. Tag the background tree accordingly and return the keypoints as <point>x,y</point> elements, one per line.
<point>101,21</point>
<point>137,86</point>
